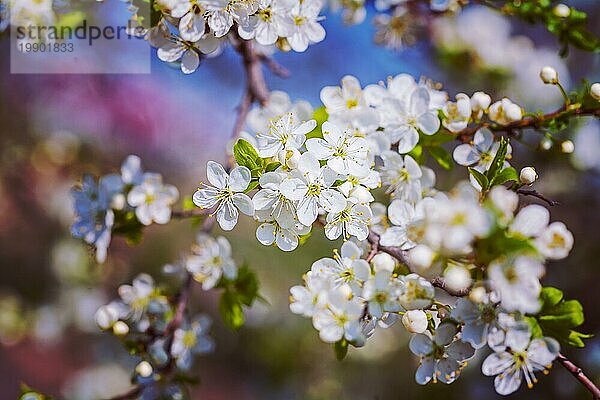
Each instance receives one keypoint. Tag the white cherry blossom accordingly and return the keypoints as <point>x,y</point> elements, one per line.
<point>210,260</point>
<point>314,190</point>
<point>285,133</point>
<point>517,282</point>
<point>306,29</point>
<point>152,199</point>
<point>226,193</point>
<point>442,357</point>
<point>402,175</point>
<point>344,152</point>
<point>457,114</point>
<point>354,220</point>
<point>340,319</point>
<point>519,361</point>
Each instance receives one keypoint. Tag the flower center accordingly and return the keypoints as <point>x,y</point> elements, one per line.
<point>189,339</point>
<point>314,189</point>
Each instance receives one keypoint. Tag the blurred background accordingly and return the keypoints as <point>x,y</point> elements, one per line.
<point>56,127</point>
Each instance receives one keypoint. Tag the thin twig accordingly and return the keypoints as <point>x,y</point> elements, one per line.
<point>579,375</point>
<point>190,213</point>
<point>533,122</point>
<point>242,113</point>
<point>374,240</point>
<point>275,67</point>
<point>402,256</point>
<point>439,282</point>
<point>536,194</point>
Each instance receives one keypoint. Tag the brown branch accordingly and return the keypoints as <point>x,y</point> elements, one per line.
<point>374,240</point>
<point>182,300</point>
<point>190,213</point>
<point>439,282</point>
<point>536,194</point>
<point>256,87</point>
<point>402,256</point>
<point>579,375</point>
<point>275,67</point>
<point>531,122</point>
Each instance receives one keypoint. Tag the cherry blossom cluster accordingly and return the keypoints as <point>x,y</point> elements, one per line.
<point>188,30</point>
<point>120,202</point>
<point>142,318</point>
<point>481,249</point>
<point>393,115</point>
<point>301,180</point>
<point>460,269</point>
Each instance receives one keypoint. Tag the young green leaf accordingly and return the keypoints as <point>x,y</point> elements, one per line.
<point>231,310</point>
<point>246,155</point>
<point>480,178</point>
<point>442,156</point>
<point>508,174</point>
<point>558,317</point>
<point>498,161</point>
<point>246,286</point>
<point>341,349</point>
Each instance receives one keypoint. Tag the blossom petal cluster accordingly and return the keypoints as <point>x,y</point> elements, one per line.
<point>326,178</point>
<point>115,200</point>
<point>189,30</point>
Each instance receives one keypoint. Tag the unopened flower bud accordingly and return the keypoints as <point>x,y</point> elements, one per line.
<point>118,202</point>
<point>477,294</point>
<point>421,257</point>
<point>105,317</point>
<point>415,321</point>
<point>120,328</point>
<point>144,369</point>
<point>549,75</point>
<point>289,158</point>
<point>561,10</point>
<point>528,176</point>
<point>513,112</point>
<point>383,262</point>
<point>546,144</point>
<point>567,146</point>
<point>480,101</point>
<point>457,277</point>
<point>595,90</point>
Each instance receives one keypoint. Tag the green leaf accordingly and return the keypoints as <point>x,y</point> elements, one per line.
<point>272,166</point>
<point>320,115</point>
<point>188,203</point>
<point>231,310</point>
<point>303,238</point>
<point>341,349</point>
<point>499,159</point>
<point>499,244</point>
<point>246,285</point>
<point>480,178</point>
<point>251,186</point>
<point>536,330</point>
<point>436,139</point>
<point>558,317</point>
<point>246,155</point>
<point>442,156</point>
<point>417,154</point>
<point>508,174</point>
